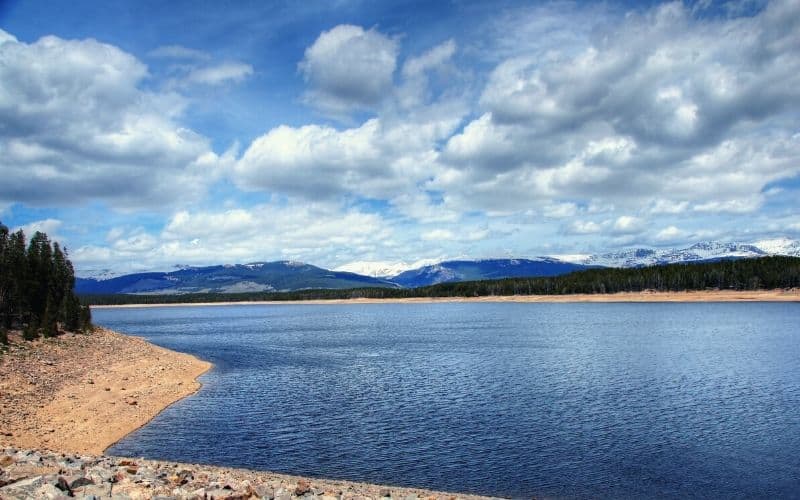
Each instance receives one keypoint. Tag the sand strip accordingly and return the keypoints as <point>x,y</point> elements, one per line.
<point>83,393</point>
<point>792,295</point>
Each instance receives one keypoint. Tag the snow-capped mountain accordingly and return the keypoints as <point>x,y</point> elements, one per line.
<point>483,269</point>
<point>382,269</point>
<point>780,246</point>
<point>708,250</point>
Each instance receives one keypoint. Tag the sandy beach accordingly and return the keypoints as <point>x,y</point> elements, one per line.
<point>82,393</point>
<point>792,295</point>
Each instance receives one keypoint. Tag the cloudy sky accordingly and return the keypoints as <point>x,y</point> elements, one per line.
<point>147,134</point>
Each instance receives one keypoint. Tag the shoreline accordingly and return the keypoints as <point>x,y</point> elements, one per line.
<point>82,393</point>
<point>58,419</point>
<point>781,295</point>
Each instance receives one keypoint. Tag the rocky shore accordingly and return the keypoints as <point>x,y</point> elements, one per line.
<point>28,474</point>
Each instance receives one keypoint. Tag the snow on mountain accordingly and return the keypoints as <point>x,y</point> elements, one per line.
<point>780,246</point>
<point>98,274</point>
<point>707,250</point>
<point>382,269</point>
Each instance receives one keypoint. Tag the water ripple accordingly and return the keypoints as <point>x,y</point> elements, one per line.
<point>552,400</point>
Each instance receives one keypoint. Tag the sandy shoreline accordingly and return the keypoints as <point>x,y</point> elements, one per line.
<point>83,393</point>
<point>692,296</point>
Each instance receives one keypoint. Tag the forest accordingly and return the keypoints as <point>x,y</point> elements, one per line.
<point>766,273</point>
<point>36,288</point>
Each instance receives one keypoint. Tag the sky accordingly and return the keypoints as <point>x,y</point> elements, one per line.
<point>148,134</point>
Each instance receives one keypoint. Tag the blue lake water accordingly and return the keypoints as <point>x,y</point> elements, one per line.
<point>519,400</point>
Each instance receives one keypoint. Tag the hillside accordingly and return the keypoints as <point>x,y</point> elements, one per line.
<point>255,277</point>
<point>487,269</point>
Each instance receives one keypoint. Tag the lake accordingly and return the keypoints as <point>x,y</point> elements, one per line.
<point>549,400</point>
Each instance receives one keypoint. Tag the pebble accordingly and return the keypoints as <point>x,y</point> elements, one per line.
<point>39,474</point>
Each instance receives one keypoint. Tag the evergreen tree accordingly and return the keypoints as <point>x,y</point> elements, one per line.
<point>36,287</point>
<point>5,282</point>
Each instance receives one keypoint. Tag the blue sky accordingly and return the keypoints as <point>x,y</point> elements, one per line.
<point>149,134</point>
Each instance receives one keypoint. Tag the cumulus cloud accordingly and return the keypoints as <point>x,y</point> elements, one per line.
<point>378,159</point>
<point>626,224</point>
<point>308,232</point>
<point>75,125</point>
<point>691,111</point>
<point>415,89</point>
<point>349,68</point>
<point>47,226</point>
<point>670,234</point>
<point>583,227</point>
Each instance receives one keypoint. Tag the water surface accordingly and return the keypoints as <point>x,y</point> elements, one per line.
<point>554,400</point>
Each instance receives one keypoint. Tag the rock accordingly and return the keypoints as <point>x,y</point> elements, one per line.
<point>50,492</point>
<point>385,492</point>
<point>30,483</point>
<point>79,481</point>
<point>302,488</point>
<point>282,494</point>
<point>63,485</point>
<point>185,476</point>
<point>264,491</point>
<point>5,461</point>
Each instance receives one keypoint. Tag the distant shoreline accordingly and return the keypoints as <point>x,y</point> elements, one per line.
<point>792,295</point>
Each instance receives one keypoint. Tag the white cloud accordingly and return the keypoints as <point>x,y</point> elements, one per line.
<point>670,234</point>
<point>651,105</point>
<point>179,52</point>
<point>308,232</point>
<point>378,159</point>
<point>220,73</point>
<point>415,90</point>
<point>560,210</point>
<point>47,226</point>
<point>438,235</point>
<point>349,68</point>
<point>74,125</point>
<point>626,224</point>
<point>583,227</point>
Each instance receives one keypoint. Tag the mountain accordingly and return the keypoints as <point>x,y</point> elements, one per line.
<point>486,269</point>
<point>382,269</point>
<point>699,252</point>
<point>254,277</point>
<point>780,246</point>
<point>290,275</point>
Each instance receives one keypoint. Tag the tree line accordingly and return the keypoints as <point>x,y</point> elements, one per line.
<point>765,273</point>
<point>36,287</point>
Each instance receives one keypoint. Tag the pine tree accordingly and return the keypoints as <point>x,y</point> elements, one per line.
<point>5,283</point>
<point>86,319</point>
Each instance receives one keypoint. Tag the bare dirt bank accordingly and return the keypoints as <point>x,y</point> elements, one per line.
<point>792,295</point>
<point>82,393</point>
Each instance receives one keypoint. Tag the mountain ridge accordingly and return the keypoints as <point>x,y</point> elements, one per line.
<point>291,275</point>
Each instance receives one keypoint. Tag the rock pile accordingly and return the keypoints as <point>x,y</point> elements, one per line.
<point>28,474</point>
